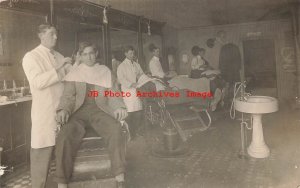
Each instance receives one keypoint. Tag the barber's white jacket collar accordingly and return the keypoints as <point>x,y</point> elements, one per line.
<point>129,61</point>
<point>45,48</point>
<point>155,58</point>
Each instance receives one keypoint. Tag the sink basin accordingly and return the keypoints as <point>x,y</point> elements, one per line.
<point>256,105</point>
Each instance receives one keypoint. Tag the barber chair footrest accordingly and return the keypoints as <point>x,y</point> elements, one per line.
<point>92,162</point>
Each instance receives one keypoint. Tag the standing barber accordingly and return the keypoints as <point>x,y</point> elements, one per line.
<point>128,74</point>
<point>44,69</point>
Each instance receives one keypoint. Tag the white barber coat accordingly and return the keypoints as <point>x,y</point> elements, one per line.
<point>46,90</point>
<point>127,74</point>
<point>155,67</point>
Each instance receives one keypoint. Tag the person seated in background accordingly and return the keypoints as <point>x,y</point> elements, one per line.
<point>201,69</point>
<point>199,65</point>
<point>78,109</point>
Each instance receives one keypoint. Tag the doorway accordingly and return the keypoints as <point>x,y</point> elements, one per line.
<point>260,66</point>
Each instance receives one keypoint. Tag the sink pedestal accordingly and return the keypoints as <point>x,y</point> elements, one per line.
<point>258,147</point>
<point>257,106</point>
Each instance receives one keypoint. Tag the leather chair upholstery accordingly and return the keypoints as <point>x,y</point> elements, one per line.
<point>92,166</point>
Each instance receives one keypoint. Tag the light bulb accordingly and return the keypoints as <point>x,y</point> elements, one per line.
<point>105,20</point>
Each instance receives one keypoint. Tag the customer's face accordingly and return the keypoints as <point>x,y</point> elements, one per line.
<point>129,54</point>
<point>49,37</point>
<point>88,56</point>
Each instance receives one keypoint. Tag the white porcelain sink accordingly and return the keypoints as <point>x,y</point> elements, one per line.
<point>257,105</point>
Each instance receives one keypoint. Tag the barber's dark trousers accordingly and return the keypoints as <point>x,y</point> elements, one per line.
<point>39,166</point>
<point>71,134</point>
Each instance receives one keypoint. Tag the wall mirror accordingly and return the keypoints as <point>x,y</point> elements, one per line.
<point>15,42</point>
<point>71,33</point>
<point>120,38</point>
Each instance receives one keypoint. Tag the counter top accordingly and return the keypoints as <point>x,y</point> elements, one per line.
<point>18,100</point>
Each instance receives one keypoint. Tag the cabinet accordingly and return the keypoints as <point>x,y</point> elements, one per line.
<point>15,129</point>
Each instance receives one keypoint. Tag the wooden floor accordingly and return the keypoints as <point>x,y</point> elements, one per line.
<point>212,161</point>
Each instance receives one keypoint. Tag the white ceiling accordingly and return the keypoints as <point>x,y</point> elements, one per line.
<point>189,13</point>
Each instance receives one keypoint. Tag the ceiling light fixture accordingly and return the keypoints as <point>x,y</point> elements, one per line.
<point>149,28</point>
<point>105,20</point>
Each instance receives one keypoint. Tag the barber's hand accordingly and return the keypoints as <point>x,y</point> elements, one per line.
<point>120,114</point>
<point>77,59</point>
<point>134,85</point>
<point>62,117</point>
<point>68,60</point>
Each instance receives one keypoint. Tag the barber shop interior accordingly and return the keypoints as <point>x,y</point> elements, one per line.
<point>149,93</point>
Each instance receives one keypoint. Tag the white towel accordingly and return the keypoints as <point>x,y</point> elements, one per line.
<point>144,79</point>
<point>197,85</point>
<point>98,75</point>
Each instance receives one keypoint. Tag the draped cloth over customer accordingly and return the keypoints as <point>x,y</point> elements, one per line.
<point>197,85</point>
<point>98,75</point>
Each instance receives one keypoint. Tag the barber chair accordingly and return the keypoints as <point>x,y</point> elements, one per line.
<point>92,166</point>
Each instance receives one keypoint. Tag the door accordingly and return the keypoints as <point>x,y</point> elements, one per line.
<point>260,66</point>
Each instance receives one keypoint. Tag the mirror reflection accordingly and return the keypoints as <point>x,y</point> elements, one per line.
<point>71,33</point>
<point>119,39</point>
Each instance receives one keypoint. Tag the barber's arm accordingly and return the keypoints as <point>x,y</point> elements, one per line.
<point>67,103</point>
<point>38,78</point>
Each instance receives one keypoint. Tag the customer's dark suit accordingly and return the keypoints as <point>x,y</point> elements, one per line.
<point>87,111</point>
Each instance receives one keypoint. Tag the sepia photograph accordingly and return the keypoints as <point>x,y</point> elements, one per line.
<point>149,93</point>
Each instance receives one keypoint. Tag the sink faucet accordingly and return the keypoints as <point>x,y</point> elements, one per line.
<point>4,85</point>
<point>244,95</point>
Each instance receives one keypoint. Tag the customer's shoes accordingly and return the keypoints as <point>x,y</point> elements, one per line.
<point>120,184</point>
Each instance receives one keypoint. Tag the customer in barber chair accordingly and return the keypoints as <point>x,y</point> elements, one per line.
<point>78,110</point>
<point>201,69</point>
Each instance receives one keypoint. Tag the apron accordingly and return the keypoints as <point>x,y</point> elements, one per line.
<point>132,103</point>
<point>129,71</point>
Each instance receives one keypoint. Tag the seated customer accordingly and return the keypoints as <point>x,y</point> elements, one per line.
<point>78,110</point>
<point>198,65</point>
<point>201,69</point>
